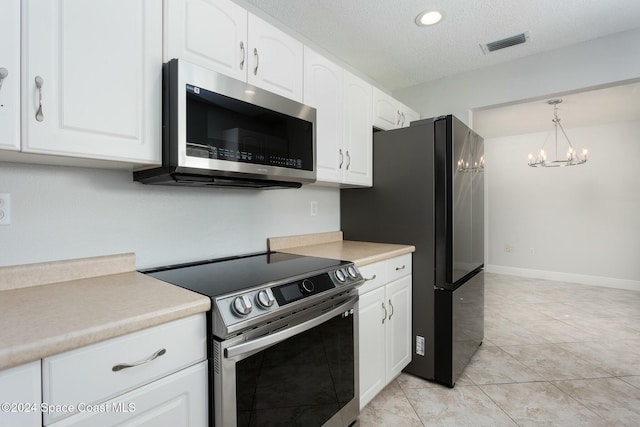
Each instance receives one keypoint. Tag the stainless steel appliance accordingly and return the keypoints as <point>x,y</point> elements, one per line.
<point>222,132</point>
<point>428,191</point>
<point>283,338</point>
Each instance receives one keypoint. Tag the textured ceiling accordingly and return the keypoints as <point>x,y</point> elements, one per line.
<point>380,39</point>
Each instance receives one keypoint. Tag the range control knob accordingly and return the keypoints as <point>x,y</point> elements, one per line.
<point>352,271</point>
<point>265,298</point>
<point>340,275</point>
<point>242,305</point>
<point>307,286</point>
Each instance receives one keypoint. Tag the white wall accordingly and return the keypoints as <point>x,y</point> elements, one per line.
<point>599,62</point>
<point>528,207</point>
<point>582,222</point>
<point>65,212</point>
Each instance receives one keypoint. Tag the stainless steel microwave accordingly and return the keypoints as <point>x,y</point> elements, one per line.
<point>222,132</point>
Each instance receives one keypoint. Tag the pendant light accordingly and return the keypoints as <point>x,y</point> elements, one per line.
<point>572,156</point>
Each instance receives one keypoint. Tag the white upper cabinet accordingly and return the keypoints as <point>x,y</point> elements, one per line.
<point>92,79</point>
<point>10,75</point>
<point>410,115</point>
<point>358,132</point>
<point>386,115</point>
<point>210,33</point>
<point>224,37</point>
<point>275,60</point>
<point>323,90</point>
<point>389,113</point>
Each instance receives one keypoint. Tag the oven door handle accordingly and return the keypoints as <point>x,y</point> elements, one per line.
<point>284,334</point>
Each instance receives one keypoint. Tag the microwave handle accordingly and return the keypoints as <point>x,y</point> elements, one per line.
<point>284,334</point>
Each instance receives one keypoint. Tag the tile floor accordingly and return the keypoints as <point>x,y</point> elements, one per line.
<point>554,354</point>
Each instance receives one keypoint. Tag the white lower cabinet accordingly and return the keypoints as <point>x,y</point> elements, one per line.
<point>153,377</point>
<point>384,324</point>
<point>20,396</point>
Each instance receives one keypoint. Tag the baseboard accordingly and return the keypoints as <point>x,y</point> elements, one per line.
<point>608,282</point>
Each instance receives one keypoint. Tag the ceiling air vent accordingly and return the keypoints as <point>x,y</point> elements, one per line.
<point>501,44</point>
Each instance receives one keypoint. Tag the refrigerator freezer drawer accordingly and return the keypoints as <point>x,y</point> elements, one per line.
<point>459,328</point>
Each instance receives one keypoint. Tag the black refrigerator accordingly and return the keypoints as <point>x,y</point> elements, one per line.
<point>428,191</point>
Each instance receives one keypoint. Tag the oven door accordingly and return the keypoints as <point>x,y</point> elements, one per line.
<point>300,372</point>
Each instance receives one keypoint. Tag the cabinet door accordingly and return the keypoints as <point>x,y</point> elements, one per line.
<point>10,69</point>
<point>323,91</point>
<point>358,131</point>
<point>180,399</point>
<point>371,341</point>
<point>398,298</point>
<point>209,33</point>
<point>386,112</point>
<point>99,68</point>
<point>410,116</point>
<point>275,60</point>
<point>21,385</point>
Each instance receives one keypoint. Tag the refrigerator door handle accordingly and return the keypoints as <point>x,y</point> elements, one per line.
<point>385,313</point>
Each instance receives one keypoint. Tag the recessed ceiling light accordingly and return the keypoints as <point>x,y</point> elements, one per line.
<point>428,17</point>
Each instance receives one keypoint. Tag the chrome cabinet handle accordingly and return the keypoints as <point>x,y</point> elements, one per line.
<point>397,117</point>
<point>392,309</point>
<point>3,74</point>
<point>154,356</point>
<point>242,52</point>
<point>385,313</point>
<point>402,124</point>
<point>255,54</point>
<point>348,160</point>
<point>39,83</point>
<point>370,278</point>
<point>341,159</point>
<point>401,268</point>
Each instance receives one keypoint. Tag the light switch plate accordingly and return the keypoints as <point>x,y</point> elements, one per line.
<point>5,208</point>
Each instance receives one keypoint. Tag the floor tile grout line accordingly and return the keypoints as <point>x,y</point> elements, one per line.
<point>576,400</point>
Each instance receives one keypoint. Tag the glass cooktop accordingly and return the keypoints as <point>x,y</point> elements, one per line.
<point>219,277</point>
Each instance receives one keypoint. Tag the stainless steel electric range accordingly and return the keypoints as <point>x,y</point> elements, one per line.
<point>283,345</point>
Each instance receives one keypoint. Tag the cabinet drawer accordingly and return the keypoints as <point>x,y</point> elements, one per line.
<point>398,267</point>
<point>86,375</point>
<point>375,275</point>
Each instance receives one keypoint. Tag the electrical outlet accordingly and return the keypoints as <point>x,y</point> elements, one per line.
<point>5,208</point>
<point>313,205</point>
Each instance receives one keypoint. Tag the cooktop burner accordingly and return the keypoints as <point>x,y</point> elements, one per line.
<point>252,289</point>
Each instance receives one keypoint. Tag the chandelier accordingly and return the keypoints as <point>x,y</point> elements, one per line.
<point>573,157</point>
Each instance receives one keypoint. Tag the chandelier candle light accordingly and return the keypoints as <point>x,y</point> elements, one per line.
<point>573,157</point>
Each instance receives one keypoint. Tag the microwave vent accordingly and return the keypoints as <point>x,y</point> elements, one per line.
<point>504,43</point>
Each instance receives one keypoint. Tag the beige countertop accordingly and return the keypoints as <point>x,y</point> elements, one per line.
<point>331,245</point>
<point>96,304</point>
